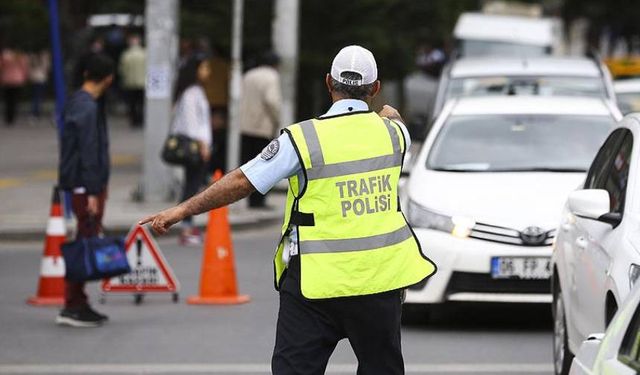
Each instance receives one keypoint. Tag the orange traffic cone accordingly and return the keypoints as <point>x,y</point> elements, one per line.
<point>51,284</point>
<point>218,284</point>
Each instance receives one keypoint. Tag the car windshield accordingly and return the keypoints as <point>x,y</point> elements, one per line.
<point>503,49</point>
<point>514,85</point>
<point>515,143</point>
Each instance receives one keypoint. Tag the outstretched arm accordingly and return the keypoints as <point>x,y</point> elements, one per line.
<point>230,188</point>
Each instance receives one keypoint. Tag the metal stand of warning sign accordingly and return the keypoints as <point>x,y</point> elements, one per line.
<point>150,271</point>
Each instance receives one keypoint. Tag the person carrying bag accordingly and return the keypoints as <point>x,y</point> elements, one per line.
<point>84,169</point>
<point>189,144</point>
<point>95,258</point>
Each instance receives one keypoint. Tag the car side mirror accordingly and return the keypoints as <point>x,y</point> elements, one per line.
<point>593,204</point>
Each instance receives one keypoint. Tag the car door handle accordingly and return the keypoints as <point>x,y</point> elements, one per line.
<point>582,242</point>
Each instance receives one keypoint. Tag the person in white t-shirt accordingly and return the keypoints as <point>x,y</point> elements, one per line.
<point>191,118</point>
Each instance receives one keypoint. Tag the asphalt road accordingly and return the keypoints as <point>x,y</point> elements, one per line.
<point>160,337</point>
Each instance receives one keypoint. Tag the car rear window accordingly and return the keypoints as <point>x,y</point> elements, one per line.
<point>536,85</point>
<point>513,143</point>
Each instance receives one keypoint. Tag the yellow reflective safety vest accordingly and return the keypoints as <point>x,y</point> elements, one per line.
<point>352,237</point>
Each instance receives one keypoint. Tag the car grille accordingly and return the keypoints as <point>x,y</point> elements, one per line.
<point>484,283</point>
<point>495,233</point>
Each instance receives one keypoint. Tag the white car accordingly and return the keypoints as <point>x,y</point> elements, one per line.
<point>628,94</point>
<point>616,351</point>
<point>545,76</point>
<point>484,194</point>
<point>596,256</point>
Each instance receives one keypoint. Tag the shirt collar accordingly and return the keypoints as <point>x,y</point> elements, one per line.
<point>344,106</point>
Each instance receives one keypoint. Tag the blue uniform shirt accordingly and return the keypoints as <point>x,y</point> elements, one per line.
<point>264,172</point>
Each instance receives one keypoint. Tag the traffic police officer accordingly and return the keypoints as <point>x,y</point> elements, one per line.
<point>346,250</point>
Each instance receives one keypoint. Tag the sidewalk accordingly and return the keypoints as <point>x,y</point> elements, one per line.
<point>28,171</point>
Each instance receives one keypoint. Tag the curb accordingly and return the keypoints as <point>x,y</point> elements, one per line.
<point>119,230</point>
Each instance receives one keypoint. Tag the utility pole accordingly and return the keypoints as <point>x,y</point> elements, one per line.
<point>58,80</point>
<point>235,88</point>
<point>285,41</point>
<point>161,19</point>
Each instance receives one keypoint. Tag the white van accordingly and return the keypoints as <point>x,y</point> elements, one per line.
<point>479,34</point>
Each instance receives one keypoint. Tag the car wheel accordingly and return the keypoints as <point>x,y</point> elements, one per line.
<point>562,356</point>
<point>415,314</point>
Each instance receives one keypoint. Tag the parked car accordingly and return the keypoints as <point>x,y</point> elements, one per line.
<point>617,350</point>
<point>480,34</point>
<point>545,76</point>
<point>596,257</point>
<point>486,189</point>
<point>628,94</point>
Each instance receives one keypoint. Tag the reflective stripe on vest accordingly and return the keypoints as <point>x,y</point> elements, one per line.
<point>357,244</point>
<point>357,241</point>
<point>320,170</point>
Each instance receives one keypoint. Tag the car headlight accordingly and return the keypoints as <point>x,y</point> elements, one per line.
<point>422,217</point>
<point>634,273</point>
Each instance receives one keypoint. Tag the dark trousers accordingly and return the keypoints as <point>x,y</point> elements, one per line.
<point>219,144</point>
<point>88,226</point>
<point>193,181</point>
<point>11,95</point>
<point>37,94</point>
<point>219,151</point>
<point>309,330</point>
<point>251,147</point>
<point>135,102</point>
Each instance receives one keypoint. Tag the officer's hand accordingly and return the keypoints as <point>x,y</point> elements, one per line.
<point>390,113</point>
<point>162,221</point>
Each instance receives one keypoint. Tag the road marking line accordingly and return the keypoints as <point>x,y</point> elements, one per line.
<point>10,182</point>
<point>119,160</point>
<point>45,174</point>
<point>174,368</point>
<point>124,160</point>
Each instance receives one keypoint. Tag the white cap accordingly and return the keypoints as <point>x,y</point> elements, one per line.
<point>355,59</point>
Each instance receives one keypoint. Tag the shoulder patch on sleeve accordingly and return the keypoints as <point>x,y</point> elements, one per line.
<point>271,150</point>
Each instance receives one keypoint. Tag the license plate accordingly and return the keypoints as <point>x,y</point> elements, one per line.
<point>528,268</point>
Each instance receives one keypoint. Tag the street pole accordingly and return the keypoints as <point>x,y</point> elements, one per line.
<point>235,88</point>
<point>58,80</point>
<point>161,19</point>
<point>285,42</point>
<point>57,64</point>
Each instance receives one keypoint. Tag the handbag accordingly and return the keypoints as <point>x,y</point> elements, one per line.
<point>182,150</point>
<point>95,258</point>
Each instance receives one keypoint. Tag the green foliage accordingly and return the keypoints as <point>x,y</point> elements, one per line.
<point>24,18</point>
<point>391,29</point>
<point>118,6</point>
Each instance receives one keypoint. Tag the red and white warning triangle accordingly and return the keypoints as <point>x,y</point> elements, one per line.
<point>150,271</point>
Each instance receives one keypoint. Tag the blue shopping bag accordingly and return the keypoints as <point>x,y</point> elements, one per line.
<point>95,258</point>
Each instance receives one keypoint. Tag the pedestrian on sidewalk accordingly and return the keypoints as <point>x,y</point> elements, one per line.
<point>84,171</point>
<point>14,71</point>
<point>191,118</point>
<point>39,65</point>
<point>346,251</point>
<point>260,112</point>
<point>133,72</point>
